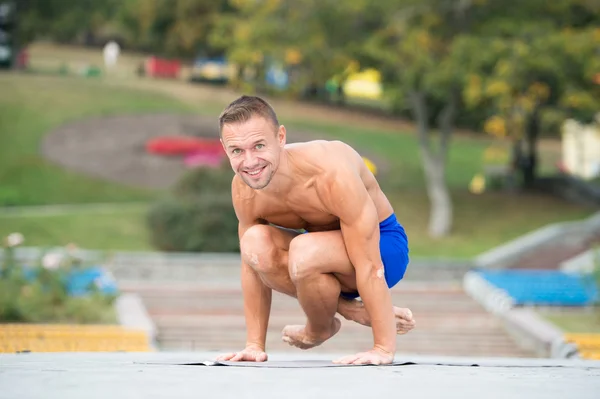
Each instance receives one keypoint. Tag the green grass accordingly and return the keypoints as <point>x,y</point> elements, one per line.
<point>30,107</point>
<point>121,229</point>
<point>576,322</point>
<point>401,151</point>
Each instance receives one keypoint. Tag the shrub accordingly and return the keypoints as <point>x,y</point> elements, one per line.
<point>200,181</point>
<point>57,288</point>
<point>197,216</point>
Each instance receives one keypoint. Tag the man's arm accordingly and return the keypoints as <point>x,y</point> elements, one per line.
<point>256,295</point>
<point>347,198</point>
<point>257,303</point>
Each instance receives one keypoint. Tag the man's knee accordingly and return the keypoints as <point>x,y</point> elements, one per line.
<point>257,249</point>
<point>301,259</point>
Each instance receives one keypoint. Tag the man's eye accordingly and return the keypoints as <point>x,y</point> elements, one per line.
<point>260,146</point>
<point>236,151</point>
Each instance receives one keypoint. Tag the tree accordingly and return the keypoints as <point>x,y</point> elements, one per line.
<point>531,72</point>
<point>173,27</point>
<point>63,20</point>
<point>415,48</point>
<point>312,39</point>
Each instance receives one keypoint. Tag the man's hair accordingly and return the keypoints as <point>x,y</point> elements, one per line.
<point>244,108</point>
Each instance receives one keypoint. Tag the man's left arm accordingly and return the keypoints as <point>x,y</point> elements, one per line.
<point>349,200</point>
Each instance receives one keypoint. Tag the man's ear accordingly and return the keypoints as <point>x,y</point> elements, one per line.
<point>281,136</point>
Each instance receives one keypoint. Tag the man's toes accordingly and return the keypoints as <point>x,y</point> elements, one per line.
<point>403,314</point>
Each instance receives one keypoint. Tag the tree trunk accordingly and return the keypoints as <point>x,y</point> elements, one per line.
<point>530,165</point>
<point>440,218</point>
<point>434,164</point>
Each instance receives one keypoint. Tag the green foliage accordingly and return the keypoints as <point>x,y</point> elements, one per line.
<point>38,293</point>
<point>520,66</point>
<point>169,27</point>
<point>313,39</point>
<point>198,216</point>
<point>202,181</point>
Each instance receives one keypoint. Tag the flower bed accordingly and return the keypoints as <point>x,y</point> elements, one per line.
<point>194,150</point>
<point>60,287</point>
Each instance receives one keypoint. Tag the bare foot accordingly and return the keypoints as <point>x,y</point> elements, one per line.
<point>297,336</point>
<point>355,310</point>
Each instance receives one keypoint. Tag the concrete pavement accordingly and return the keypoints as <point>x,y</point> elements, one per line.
<point>128,375</point>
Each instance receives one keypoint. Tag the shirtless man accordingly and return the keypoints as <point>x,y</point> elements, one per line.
<point>351,241</point>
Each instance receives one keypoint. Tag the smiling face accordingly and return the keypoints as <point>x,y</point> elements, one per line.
<point>253,148</point>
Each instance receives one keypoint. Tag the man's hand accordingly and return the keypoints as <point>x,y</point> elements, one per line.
<point>250,354</point>
<point>375,356</point>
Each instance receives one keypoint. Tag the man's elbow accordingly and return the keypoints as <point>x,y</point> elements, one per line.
<point>370,272</point>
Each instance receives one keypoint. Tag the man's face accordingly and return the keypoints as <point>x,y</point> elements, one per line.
<point>253,148</point>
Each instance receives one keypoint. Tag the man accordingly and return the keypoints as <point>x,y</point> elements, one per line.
<point>351,245</point>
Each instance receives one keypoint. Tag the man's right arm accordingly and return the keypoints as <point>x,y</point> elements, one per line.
<point>256,295</point>
<point>257,304</point>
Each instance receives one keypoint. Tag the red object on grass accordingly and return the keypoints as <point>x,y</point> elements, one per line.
<point>183,145</point>
<point>22,59</point>
<point>162,68</point>
<point>203,159</point>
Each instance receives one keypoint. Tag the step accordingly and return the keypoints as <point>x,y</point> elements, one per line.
<point>209,316</point>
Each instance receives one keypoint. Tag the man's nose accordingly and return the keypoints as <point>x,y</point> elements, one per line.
<point>249,158</point>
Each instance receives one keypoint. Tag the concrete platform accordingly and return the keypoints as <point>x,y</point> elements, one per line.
<point>164,375</point>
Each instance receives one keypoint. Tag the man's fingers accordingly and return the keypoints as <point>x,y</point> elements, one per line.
<point>368,358</point>
<point>225,357</point>
<point>347,359</point>
<point>364,359</point>
<point>251,356</point>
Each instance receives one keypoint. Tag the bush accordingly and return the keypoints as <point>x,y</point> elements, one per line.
<point>198,216</point>
<point>201,181</point>
<point>55,289</point>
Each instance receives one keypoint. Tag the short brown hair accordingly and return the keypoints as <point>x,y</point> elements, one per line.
<point>244,108</point>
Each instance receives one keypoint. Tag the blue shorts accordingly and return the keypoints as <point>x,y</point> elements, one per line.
<point>393,246</point>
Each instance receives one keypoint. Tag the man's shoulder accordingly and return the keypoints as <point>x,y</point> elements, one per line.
<point>320,143</point>
<point>323,151</point>
<point>240,190</point>
<point>329,162</point>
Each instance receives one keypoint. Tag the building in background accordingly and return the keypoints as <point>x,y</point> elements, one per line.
<point>581,149</point>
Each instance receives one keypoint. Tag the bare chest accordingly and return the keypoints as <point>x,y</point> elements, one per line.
<point>298,212</point>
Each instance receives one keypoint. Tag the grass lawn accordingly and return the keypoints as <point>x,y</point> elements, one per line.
<point>120,229</point>
<point>576,321</point>
<point>32,105</point>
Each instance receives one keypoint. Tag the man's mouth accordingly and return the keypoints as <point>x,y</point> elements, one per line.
<point>255,172</point>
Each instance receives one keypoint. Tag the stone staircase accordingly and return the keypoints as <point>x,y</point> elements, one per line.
<point>208,316</point>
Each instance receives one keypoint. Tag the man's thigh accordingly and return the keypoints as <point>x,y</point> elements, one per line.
<point>324,252</point>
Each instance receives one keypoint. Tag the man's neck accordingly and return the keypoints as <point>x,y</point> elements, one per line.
<point>283,179</point>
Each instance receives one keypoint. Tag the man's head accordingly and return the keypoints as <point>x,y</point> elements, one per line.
<point>253,139</point>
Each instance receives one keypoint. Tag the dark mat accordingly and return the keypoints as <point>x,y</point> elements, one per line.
<point>285,364</point>
<point>460,362</point>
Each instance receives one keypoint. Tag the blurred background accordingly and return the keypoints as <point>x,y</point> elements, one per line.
<point>478,117</point>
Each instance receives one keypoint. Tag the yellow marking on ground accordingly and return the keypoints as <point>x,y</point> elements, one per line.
<point>71,338</point>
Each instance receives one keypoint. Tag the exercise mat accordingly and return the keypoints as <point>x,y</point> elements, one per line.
<point>424,361</point>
